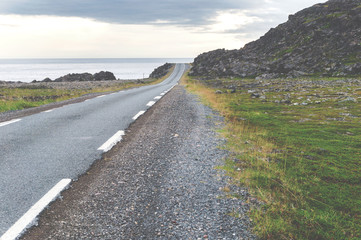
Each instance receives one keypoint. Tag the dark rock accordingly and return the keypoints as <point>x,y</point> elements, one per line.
<point>79,77</point>
<point>75,77</point>
<point>323,40</point>
<point>255,95</point>
<point>161,71</point>
<point>104,76</point>
<point>47,80</point>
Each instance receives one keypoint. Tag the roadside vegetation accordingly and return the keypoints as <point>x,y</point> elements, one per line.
<point>296,145</point>
<point>28,95</point>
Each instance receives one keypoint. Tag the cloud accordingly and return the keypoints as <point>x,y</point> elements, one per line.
<point>136,28</point>
<point>74,37</point>
<point>245,17</point>
<point>184,12</point>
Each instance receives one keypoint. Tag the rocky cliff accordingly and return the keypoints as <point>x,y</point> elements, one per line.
<point>161,71</point>
<point>323,40</point>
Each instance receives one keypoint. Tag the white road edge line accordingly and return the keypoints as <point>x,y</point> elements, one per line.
<point>28,219</point>
<point>111,142</point>
<point>9,122</point>
<point>101,96</point>
<point>138,115</point>
<point>151,103</point>
<point>158,97</point>
<point>48,111</point>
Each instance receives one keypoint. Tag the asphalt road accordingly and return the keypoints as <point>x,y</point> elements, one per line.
<point>38,151</point>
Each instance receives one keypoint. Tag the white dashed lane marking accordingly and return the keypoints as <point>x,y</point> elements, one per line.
<point>9,122</point>
<point>138,115</point>
<point>29,217</point>
<point>151,103</point>
<point>112,141</point>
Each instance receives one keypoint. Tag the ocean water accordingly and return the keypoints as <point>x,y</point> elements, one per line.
<point>27,70</point>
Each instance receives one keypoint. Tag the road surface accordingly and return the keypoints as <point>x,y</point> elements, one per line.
<point>38,151</point>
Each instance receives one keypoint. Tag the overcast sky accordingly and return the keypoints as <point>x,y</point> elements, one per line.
<point>135,28</point>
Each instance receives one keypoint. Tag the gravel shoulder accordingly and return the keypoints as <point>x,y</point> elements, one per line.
<point>160,182</point>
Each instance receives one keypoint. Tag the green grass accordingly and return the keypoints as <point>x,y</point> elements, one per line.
<point>302,162</point>
<point>21,98</point>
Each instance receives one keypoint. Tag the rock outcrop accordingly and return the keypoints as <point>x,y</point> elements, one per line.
<point>161,71</point>
<point>323,40</point>
<point>79,77</point>
<point>104,76</point>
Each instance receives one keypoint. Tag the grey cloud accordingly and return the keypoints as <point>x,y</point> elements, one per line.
<point>179,12</point>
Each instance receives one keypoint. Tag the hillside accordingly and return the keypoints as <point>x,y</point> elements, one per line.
<point>323,40</point>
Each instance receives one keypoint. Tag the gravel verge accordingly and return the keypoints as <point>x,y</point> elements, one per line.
<point>160,182</point>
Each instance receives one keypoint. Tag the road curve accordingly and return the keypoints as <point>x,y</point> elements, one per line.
<point>38,151</point>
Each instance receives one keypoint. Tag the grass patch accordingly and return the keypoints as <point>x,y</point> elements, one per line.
<point>298,146</point>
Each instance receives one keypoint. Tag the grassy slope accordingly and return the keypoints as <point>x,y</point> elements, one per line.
<point>302,162</point>
<point>27,97</point>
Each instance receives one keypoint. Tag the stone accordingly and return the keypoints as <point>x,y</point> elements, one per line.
<point>348,99</point>
<point>255,95</point>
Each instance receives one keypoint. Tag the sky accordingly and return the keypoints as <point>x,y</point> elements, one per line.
<point>135,28</point>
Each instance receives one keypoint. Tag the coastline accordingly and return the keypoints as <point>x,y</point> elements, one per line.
<point>27,70</point>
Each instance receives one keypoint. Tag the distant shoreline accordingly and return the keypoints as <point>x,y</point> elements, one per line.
<point>27,70</point>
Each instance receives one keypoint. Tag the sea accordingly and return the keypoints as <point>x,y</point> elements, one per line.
<point>27,70</point>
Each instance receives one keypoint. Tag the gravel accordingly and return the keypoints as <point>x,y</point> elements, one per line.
<point>160,182</point>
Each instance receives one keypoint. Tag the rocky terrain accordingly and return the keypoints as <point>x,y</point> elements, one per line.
<point>323,40</point>
<point>298,92</point>
<point>161,71</point>
<point>75,77</point>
